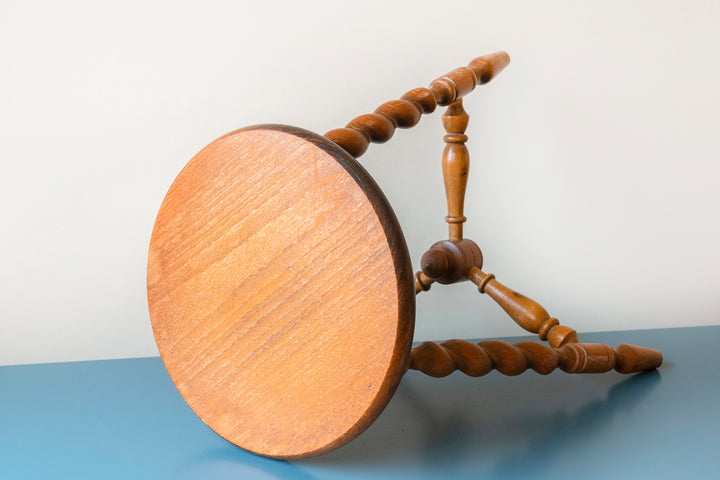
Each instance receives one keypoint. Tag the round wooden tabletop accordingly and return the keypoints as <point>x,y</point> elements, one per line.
<point>280,291</point>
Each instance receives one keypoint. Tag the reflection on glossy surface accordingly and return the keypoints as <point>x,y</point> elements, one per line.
<point>124,419</point>
<point>557,426</point>
<point>231,462</point>
<point>515,429</point>
<point>561,432</point>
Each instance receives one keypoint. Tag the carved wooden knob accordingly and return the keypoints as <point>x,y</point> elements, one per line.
<point>440,360</point>
<point>449,261</point>
<point>436,263</point>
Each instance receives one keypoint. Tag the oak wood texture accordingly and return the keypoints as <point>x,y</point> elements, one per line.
<point>379,127</point>
<point>280,291</point>
<point>440,360</point>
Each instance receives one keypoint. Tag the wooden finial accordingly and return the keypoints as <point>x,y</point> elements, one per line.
<point>450,261</point>
<point>489,66</point>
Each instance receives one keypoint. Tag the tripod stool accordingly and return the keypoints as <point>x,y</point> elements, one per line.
<point>281,291</point>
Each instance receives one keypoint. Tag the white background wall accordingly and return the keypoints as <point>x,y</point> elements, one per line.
<point>595,155</point>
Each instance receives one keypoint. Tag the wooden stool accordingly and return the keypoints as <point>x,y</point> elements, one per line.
<point>281,290</point>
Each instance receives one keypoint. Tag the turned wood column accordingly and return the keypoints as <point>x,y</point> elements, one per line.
<point>526,312</point>
<point>455,166</point>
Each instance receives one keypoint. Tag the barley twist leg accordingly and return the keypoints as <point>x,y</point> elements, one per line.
<point>379,126</point>
<point>440,360</point>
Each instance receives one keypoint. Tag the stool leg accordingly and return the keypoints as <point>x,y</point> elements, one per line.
<point>526,312</point>
<point>440,360</point>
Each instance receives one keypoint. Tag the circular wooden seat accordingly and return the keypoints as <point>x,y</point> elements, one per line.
<point>280,291</point>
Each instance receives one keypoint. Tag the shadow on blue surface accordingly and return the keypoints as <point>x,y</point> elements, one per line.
<point>460,430</point>
<point>561,432</point>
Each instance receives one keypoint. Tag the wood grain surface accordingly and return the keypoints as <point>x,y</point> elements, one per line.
<point>280,291</point>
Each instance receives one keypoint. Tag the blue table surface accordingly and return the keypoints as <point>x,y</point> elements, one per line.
<point>124,419</point>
